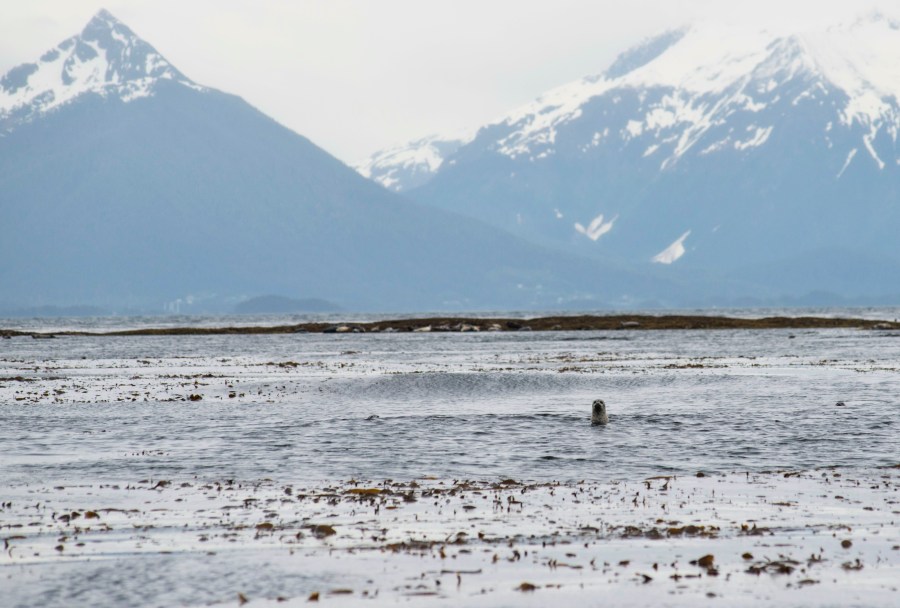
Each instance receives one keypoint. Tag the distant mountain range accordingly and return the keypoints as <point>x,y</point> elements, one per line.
<point>703,167</point>
<point>124,184</point>
<point>763,167</point>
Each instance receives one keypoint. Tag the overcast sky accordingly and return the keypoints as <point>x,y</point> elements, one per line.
<point>359,75</point>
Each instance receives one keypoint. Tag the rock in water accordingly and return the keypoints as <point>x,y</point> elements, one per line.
<point>598,413</point>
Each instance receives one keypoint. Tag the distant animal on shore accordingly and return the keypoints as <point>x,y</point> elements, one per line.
<point>598,413</point>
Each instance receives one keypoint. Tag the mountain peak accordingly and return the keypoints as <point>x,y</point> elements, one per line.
<point>645,52</point>
<point>103,16</point>
<point>104,25</point>
<point>671,92</point>
<point>107,59</point>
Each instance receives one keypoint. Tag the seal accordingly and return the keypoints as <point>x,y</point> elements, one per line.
<point>598,413</point>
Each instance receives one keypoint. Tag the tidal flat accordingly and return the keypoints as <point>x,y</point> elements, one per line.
<point>740,467</point>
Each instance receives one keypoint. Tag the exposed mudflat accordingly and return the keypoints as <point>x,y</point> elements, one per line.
<point>797,538</point>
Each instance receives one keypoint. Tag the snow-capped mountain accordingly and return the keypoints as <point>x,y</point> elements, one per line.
<point>746,77</point>
<point>709,73</point>
<point>704,147</point>
<point>123,183</point>
<point>105,59</point>
<point>410,165</point>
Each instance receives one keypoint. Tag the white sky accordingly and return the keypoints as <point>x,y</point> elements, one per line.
<point>359,75</point>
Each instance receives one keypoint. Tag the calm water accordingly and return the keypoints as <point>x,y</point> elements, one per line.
<point>459,405</point>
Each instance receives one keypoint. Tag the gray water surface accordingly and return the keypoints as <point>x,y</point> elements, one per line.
<point>465,406</point>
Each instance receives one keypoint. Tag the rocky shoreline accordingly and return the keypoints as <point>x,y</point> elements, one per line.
<point>499,324</point>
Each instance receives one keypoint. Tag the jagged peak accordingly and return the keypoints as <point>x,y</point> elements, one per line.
<point>644,52</point>
<point>104,24</point>
<point>105,58</point>
<point>103,16</point>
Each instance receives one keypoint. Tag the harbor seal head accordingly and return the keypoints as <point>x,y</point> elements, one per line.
<point>598,413</point>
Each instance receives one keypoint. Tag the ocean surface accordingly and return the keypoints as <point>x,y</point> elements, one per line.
<point>486,405</point>
<point>198,470</point>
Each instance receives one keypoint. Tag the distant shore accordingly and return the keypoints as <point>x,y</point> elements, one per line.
<point>490,324</point>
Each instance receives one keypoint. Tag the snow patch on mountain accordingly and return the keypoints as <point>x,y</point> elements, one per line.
<point>673,252</point>
<point>106,59</point>
<point>596,228</point>
<point>847,162</point>
<point>758,136</point>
